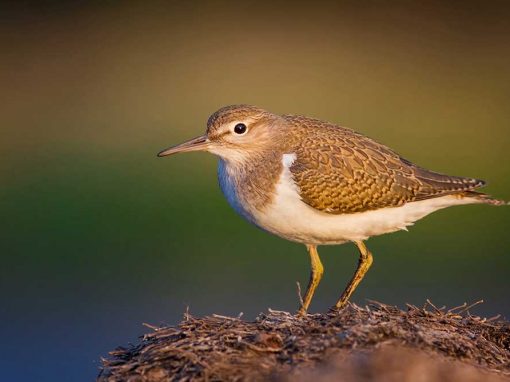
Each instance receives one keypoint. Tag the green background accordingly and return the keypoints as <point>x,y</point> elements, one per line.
<point>98,235</point>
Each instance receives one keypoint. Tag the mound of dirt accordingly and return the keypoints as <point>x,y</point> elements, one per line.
<point>376,342</point>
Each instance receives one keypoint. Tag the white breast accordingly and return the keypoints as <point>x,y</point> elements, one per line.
<point>289,217</point>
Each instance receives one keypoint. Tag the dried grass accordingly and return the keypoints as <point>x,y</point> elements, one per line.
<point>376,342</point>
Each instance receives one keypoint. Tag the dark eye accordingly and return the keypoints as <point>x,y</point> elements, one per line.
<point>240,128</point>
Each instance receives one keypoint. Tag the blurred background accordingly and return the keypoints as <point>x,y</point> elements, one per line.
<point>99,236</point>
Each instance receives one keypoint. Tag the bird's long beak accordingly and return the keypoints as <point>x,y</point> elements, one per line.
<point>196,144</point>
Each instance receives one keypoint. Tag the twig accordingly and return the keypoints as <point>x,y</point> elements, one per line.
<point>412,307</point>
<point>494,318</point>
<point>186,314</point>
<point>378,303</point>
<point>153,327</point>
<point>226,317</point>
<point>439,311</point>
<point>299,294</point>
<point>454,309</point>
<point>283,312</point>
<point>470,306</point>
<point>260,349</point>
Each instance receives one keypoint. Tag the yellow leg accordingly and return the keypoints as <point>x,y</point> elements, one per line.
<point>315,278</point>
<point>365,261</point>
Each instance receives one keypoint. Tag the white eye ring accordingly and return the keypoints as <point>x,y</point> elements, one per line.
<point>240,129</point>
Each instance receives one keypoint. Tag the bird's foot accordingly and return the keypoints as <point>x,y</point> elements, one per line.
<point>337,308</point>
<point>302,312</point>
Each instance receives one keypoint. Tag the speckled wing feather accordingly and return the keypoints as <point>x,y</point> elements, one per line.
<point>340,171</point>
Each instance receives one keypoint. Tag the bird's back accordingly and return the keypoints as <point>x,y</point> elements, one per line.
<point>340,171</point>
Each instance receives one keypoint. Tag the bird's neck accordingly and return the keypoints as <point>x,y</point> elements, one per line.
<point>253,180</point>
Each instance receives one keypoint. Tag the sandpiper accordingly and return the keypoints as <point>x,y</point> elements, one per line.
<point>317,183</point>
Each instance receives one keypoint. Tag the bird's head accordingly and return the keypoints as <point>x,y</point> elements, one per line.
<point>233,133</point>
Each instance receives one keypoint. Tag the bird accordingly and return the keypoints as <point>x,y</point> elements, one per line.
<point>318,183</point>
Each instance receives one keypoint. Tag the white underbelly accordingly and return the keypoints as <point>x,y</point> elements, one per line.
<point>289,217</point>
<point>296,221</point>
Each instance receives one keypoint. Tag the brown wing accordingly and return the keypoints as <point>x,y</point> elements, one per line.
<point>340,171</point>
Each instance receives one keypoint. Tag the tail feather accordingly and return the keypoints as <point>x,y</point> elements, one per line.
<point>483,198</point>
<point>435,184</point>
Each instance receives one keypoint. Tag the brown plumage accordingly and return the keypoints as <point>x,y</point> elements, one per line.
<point>340,171</point>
